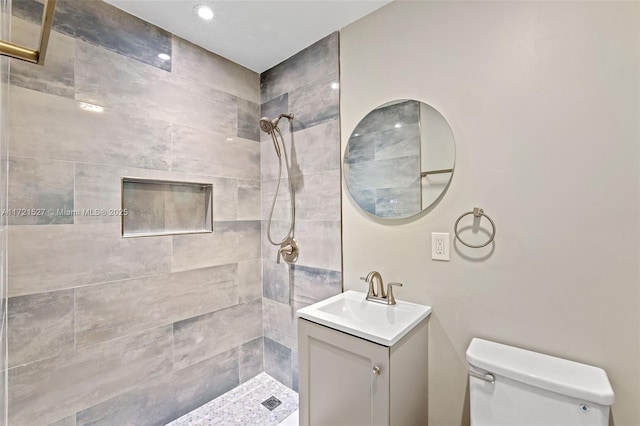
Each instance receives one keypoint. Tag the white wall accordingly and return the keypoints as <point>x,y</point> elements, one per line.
<point>543,99</point>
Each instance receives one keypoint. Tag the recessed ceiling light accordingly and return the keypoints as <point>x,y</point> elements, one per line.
<point>164,56</point>
<point>205,12</point>
<point>335,85</point>
<point>398,125</point>
<point>356,134</point>
<point>91,107</point>
<point>229,139</point>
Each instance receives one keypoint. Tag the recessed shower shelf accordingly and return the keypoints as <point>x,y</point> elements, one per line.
<point>161,207</point>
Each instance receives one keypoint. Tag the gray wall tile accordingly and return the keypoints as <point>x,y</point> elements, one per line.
<point>225,199</point>
<point>318,196</point>
<point>276,281</point>
<point>67,421</point>
<point>200,383</point>
<point>141,90</point>
<point>306,66</point>
<point>315,103</point>
<point>280,322</point>
<point>66,132</point>
<point>40,326</point>
<point>56,76</point>
<point>205,68</point>
<point>279,230</point>
<point>167,399</point>
<point>282,206</point>
<point>294,370</point>
<point>230,242</point>
<point>314,150</point>
<point>211,154</point>
<point>111,310</point>
<point>251,359</point>
<point>79,256</point>
<point>199,338</point>
<point>310,285</point>
<point>248,120</point>
<point>104,25</point>
<point>234,199</point>
<point>322,244</point>
<point>250,280</point>
<point>43,185</point>
<point>277,362</point>
<point>49,390</point>
<point>249,204</point>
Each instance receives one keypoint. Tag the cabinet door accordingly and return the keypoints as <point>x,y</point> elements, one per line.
<point>337,383</point>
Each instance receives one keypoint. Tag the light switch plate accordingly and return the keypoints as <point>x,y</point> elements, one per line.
<point>440,246</point>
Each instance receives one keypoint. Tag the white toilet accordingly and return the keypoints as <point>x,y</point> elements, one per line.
<point>512,386</point>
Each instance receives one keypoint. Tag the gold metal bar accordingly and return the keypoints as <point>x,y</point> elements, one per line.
<point>16,51</point>
<point>47,24</point>
<point>435,172</point>
<point>26,54</point>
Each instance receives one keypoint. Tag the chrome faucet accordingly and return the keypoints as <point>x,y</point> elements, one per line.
<point>380,296</point>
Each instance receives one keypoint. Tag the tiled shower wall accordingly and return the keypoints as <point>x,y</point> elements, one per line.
<point>113,331</point>
<point>306,85</point>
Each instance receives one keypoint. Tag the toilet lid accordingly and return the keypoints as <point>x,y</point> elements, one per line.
<point>559,375</point>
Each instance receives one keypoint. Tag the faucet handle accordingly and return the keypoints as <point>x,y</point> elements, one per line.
<point>391,300</point>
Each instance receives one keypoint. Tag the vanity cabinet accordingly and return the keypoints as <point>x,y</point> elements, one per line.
<point>347,380</point>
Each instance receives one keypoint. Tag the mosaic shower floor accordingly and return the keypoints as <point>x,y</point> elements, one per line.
<point>242,406</point>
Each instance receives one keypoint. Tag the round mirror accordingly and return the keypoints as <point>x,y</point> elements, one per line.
<point>399,159</point>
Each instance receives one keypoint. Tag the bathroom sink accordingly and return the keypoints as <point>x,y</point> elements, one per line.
<point>350,313</point>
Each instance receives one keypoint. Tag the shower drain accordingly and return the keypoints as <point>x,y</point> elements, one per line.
<point>271,402</point>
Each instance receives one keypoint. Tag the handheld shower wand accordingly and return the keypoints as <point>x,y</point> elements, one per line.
<point>271,126</point>
<point>288,246</point>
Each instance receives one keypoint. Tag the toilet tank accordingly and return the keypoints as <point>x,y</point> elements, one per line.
<point>533,389</point>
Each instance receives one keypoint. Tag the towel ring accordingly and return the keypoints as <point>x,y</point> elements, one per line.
<point>477,212</point>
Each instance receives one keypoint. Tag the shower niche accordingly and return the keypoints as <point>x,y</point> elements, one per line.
<point>160,207</point>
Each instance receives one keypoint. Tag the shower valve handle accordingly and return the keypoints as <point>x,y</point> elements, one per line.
<point>288,249</point>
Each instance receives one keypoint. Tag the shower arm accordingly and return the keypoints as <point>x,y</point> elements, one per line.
<point>281,116</point>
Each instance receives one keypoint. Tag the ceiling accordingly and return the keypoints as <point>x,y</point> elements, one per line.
<point>257,34</point>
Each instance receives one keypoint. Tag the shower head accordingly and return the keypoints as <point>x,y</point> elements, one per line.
<point>270,126</point>
<point>266,125</point>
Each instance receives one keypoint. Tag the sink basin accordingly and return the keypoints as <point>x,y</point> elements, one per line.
<point>350,313</point>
